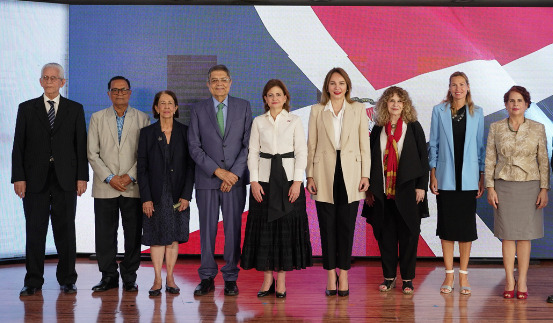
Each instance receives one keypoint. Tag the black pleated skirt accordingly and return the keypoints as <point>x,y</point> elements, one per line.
<point>283,244</point>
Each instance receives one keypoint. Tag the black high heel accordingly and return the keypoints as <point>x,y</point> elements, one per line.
<point>332,292</point>
<point>341,292</point>
<point>271,290</point>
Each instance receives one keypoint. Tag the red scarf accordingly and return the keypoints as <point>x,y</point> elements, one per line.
<point>391,158</point>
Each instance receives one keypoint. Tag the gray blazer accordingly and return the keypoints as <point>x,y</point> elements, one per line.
<point>107,156</point>
<point>210,150</point>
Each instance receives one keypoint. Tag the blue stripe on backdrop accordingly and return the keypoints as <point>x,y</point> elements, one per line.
<point>134,41</point>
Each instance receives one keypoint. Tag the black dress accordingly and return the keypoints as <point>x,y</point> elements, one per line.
<point>167,224</point>
<point>457,209</point>
<point>282,244</point>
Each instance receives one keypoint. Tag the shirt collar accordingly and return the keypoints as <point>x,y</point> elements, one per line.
<point>282,113</point>
<point>328,106</point>
<point>124,113</point>
<point>216,103</point>
<point>56,100</point>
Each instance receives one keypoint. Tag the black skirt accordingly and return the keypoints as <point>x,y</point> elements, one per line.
<point>282,244</point>
<point>456,215</point>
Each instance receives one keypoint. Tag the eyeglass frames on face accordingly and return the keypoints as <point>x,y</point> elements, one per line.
<point>120,91</point>
<point>224,80</point>
<point>47,78</point>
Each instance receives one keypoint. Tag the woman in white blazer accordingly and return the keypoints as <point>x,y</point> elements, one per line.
<point>338,170</point>
<point>456,158</point>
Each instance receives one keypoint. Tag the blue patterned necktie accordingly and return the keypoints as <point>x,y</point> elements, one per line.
<point>220,118</point>
<point>51,114</point>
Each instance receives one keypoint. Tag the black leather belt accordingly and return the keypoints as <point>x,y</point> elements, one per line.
<point>279,204</point>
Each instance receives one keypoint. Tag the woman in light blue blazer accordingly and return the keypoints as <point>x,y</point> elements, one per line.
<point>456,158</point>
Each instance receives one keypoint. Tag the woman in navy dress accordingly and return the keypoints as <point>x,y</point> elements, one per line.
<point>165,179</point>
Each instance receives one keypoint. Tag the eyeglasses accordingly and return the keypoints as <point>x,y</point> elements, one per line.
<point>47,78</point>
<point>120,91</point>
<point>224,80</point>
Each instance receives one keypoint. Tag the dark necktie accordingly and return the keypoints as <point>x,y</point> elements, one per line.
<point>51,114</point>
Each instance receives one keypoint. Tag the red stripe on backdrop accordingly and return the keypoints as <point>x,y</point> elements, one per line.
<point>392,44</point>
<point>364,243</point>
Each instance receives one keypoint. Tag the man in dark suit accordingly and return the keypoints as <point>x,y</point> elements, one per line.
<point>49,170</point>
<point>218,138</point>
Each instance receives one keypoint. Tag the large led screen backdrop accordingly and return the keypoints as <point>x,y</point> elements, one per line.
<point>171,47</point>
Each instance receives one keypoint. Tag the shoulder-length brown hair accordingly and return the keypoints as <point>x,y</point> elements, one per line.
<point>271,84</point>
<point>468,99</point>
<point>325,96</point>
<point>382,116</point>
<point>156,101</point>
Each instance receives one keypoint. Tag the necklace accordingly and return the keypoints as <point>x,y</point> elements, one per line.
<point>459,116</point>
<point>394,126</point>
<point>509,125</point>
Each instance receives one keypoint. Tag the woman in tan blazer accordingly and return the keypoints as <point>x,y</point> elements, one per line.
<point>517,178</point>
<point>338,169</point>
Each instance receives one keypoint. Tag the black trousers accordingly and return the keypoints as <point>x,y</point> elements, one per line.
<point>395,232</point>
<point>60,206</point>
<point>337,224</point>
<point>107,222</point>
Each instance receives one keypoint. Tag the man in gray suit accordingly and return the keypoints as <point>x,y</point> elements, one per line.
<point>112,151</point>
<point>218,137</point>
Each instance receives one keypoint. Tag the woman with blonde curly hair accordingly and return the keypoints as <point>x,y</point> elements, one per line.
<point>399,178</point>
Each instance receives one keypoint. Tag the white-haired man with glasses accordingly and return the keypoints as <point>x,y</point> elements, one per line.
<point>112,151</point>
<point>49,171</point>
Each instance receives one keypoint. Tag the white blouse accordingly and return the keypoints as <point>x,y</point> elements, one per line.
<point>337,121</point>
<point>280,136</point>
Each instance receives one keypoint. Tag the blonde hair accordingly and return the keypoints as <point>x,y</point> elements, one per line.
<point>382,116</point>
<point>468,99</point>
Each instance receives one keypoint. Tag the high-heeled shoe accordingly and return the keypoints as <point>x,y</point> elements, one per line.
<point>342,292</point>
<point>407,287</point>
<point>387,285</point>
<point>280,295</point>
<point>332,292</point>
<point>447,289</point>
<point>465,290</point>
<point>522,295</point>
<point>510,293</point>
<point>271,290</point>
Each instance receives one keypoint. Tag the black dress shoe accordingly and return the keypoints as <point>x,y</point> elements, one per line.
<point>155,292</point>
<point>550,299</point>
<point>271,290</point>
<point>172,290</point>
<point>68,288</point>
<point>205,286</point>
<point>332,292</point>
<point>130,286</point>
<point>28,290</point>
<point>105,284</point>
<point>231,289</point>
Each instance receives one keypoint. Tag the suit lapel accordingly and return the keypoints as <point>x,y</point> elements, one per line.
<point>448,128</point>
<point>41,113</point>
<point>130,119</point>
<point>470,133</point>
<point>346,122</point>
<point>160,138</point>
<point>63,111</point>
<point>378,182</point>
<point>329,126</point>
<point>211,114</point>
<point>231,114</point>
<point>112,123</point>
<point>175,139</point>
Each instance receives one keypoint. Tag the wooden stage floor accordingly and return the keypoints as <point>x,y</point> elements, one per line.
<point>305,301</point>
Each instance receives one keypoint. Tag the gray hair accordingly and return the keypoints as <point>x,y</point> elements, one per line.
<point>54,65</point>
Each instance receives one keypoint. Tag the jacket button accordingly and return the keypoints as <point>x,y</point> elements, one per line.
<point>171,169</point>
